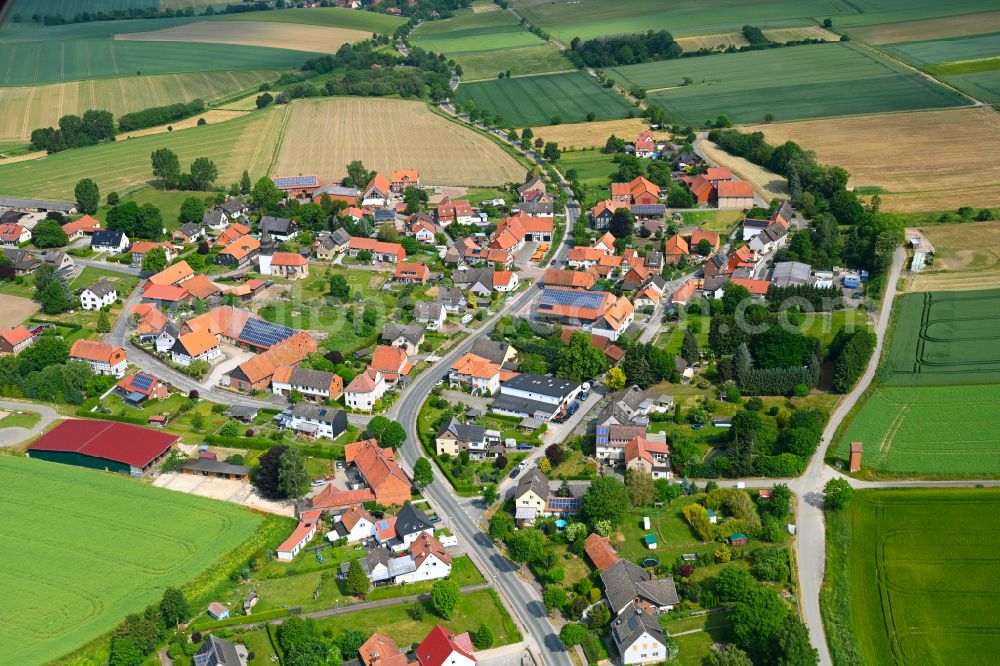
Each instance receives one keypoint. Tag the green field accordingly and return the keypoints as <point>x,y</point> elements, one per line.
<point>54,60</point>
<point>245,143</point>
<point>984,86</point>
<point>911,578</point>
<point>536,100</point>
<point>935,51</point>
<point>487,43</point>
<point>70,8</point>
<point>789,83</point>
<point>333,17</point>
<point>106,548</point>
<point>945,338</point>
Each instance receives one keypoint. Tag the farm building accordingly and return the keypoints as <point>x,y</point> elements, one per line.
<point>216,469</point>
<point>36,206</point>
<point>300,536</point>
<point>107,445</point>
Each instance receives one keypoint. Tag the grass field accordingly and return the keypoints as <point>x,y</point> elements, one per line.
<point>951,49</point>
<point>323,136</point>
<point>724,40</point>
<point>70,576</point>
<point>592,166</point>
<point>245,143</point>
<point>298,37</point>
<point>538,100</point>
<point>22,420</point>
<point>591,135</point>
<point>25,108</point>
<point>984,86</point>
<point>789,83</point>
<point>55,60</point>
<point>70,8</point>
<point>487,43</point>
<point>891,151</point>
<point>937,28</point>
<point>335,17</point>
<point>911,577</point>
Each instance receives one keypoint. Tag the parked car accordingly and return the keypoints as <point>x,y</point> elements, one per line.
<point>435,519</point>
<point>514,472</point>
<point>524,446</point>
<point>318,482</point>
<point>340,464</point>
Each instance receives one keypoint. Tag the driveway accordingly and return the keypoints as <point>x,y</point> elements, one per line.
<point>15,436</point>
<point>233,357</point>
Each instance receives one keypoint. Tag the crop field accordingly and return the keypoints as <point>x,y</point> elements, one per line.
<point>969,259</point>
<point>52,61</point>
<point>984,86</point>
<point>767,184</point>
<point>591,135</point>
<point>724,40</point>
<point>890,151</point>
<point>789,83</point>
<point>936,28</point>
<point>310,38</point>
<point>70,8</point>
<point>25,108</point>
<point>945,338</point>
<point>245,143</point>
<point>877,12</point>
<point>917,570</point>
<point>323,136</point>
<point>952,49</point>
<point>487,43</point>
<point>71,576</point>
<point>537,100</point>
<point>334,17</point>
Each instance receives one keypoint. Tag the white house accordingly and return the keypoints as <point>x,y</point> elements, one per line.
<point>639,638</point>
<point>364,390</point>
<point>431,315</point>
<point>317,420</point>
<point>13,235</point>
<point>356,524</point>
<point>480,375</point>
<point>302,535</point>
<point>103,359</point>
<point>537,396</point>
<point>505,281</point>
<point>98,295</point>
<point>198,345</point>
<point>430,558</point>
<point>114,242</point>
<point>443,647</point>
<point>770,239</point>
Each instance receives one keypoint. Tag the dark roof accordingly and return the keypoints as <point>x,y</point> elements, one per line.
<point>719,259</point>
<point>120,442</point>
<point>106,237</point>
<point>221,652</point>
<point>242,411</point>
<point>340,236</point>
<point>101,288</point>
<point>316,379</point>
<point>190,229</point>
<point>543,384</point>
<point>451,296</point>
<point>649,209</point>
<point>306,410</point>
<point>473,275</point>
<point>216,467</point>
<point>491,350</point>
<point>40,204</point>
<point>624,581</point>
<point>413,332</point>
<point>429,311</point>
<point>411,520</point>
<point>23,260</point>
<point>530,184</point>
<point>384,214</point>
<point>213,217</point>
<point>536,207</point>
<point>234,206</point>
<point>465,432</point>
<point>276,225</point>
<point>526,406</point>
<point>536,481</point>
<point>632,624</point>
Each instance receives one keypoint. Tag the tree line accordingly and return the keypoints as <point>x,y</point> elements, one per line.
<point>624,49</point>
<point>75,132</point>
<point>159,115</point>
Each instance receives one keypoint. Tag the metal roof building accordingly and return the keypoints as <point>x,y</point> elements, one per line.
<point>107,445</point>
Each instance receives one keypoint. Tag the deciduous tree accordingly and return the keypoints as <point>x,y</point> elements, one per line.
<point>166,167</point>
<point>445,595</point>
<point>88,196</point>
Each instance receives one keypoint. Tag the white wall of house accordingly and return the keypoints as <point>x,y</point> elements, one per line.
<point>207,355</point>
<point>644,650</point>
<point>91,301</point>
<point>431,569</point>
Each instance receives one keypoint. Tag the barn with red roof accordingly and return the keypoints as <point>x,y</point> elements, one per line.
<point>107,445</point>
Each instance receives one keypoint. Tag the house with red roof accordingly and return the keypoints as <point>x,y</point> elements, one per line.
<point>650,457</point>
<point>378,467</point>
<point>233,232</point>
<point>600,552</point>
<point>198,345</point>
<point>365,389</point>
<point>377,192</point>
<point>408,272</point>
<point>13,235</point>
<point>289,265</point>
<point>455,210</point>
<point>713,238</point>
<point>676,249</point>
<point>404,178</point>
<point>107,445</point>
<point>85,226</point>
<point>734,195</point>
<point>645,144</point>
<point>480,375</point>
<point>380,650</point>
<point>444,647</point>
<point>103,358</point>
<point>300,536</point>
<point>15,340</point>
<point>505,281</point>
<point>140,248</point>
<point>390,362</point>
<point>422,229</point>
<point>684,292</point>
<point>389,252</point>
<point>239,252</point>
<point>141,386</point>
<point>716,175</point>
<point>602,214</point>
<point>166,295</point>
<point>356,524</point>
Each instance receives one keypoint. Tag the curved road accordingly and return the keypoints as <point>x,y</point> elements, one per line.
<point>14,436</point>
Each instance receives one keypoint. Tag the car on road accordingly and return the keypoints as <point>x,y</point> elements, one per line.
<point>435,519</point>
<point>514,472</point>
<point>524,446</point>
<point>318,482</point>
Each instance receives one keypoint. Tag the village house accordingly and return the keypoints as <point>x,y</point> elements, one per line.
<point>390,362</point>
<point>281,229</point>
<point>377,466</point>
<point>423,229</point>
<point>296,187</point>
<point>602,214</point>
<point>432,315</point>
<point>639,638</point>
<point>214,220</point>
<point>676,249</point>
<point>235,208</point>
<point>505,281</point>
<point>408,272</point>
<point>348,195</point>
<point>380,251</point>
<point>24,261</point>
<point>300,536</point>
<point>627,585</point>
<point>558,277</point>
<point>103,358</point>
<point>404,178</point>
<point>317,420</point>
<point>15,340</point>
<point>139,250</point>
<point>364,390</point>
<point>85,226</point>
<point>255,374</point>
<point>288,265</point>
<point>112,242</point>
<point>455,437</point>
<point>356,524</point>
<point>475,373</point>
<point>316,386</point>
<point>531,188</point>
<point>713,238</point>
<point>196,346</point>
<point>648,456</point>
<point>98,295</point>
<point>217,651</point>
<point>455,210</point>
<point>187,233</point>
<point>239,253</point>
<point>645,144</point>
<point>535,396</point>
<point>408,337</point>
<point>771,239</point>
<point>232,233</point>
<point>600,552</point>
<point>734,195</point>
<point>329,244</point>
<point>139,387</point>
<point>13,235</point>
<point>378,192</point>
<point>443,647</point>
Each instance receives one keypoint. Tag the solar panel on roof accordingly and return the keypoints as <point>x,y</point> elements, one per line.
<point>261,333</point>
<point>577,299</point>
<point>142,382</point>
<point>563,502</point>
<point>295,181</point>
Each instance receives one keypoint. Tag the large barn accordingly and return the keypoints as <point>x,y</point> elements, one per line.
<point>107,445</point>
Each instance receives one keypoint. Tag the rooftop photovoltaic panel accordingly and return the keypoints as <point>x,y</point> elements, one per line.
<point>142,382</point>
<point>576,299</point>
<point>287,182</point>
<point>264,333</point>
<point>563,502</point>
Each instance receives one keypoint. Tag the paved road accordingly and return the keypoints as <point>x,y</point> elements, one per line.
<point>108,266</point>
<point>14,436</point>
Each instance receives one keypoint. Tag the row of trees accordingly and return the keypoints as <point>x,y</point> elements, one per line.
<point>135,221</point>
<point>167,167</point>
<point>159,115</point>
<point>624,49</point>
<point>138,635</point>
<point>75,132</point>
<point>851,352</point>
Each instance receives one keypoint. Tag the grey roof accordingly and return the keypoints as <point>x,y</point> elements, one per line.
<point>101,288</point>
<point>234,206</point>
<point>774,232</point>
<point>632,397</point>
<point>217,651</point>
<point>624,581</point>
<point>413,332</point>
<point>54,257</point>
<point>428,311</point>
<point>190,229</point>
<point>465,432</point>
<point>23,260</point>
<point>335,190</point>
<point>719,259</point>
<point>491,350</point>
<point>451,296</point>
<point>632,624</point>
<point>785,211</point>
<point>213,217</point>
<point>411,520</point>
<point>242,411</point>
<point>543,384</point>
<point>654,258</point>
<point>525,406</point>
<point>216,467</point>
<point>340,236</point>
<point>536,207</point>
<point>307,410</point>
<point>530,184</point>
<point>401,565</point>
<point>787,273</point>
<point>714,282</point>
<point>39,204</point>
<point>276,225</point>
<point>473,275</point>
<point>106,237</point>
<point>535,481</point>
<point>384,214</point>
<point>649,209</point>
<point>314,379</point>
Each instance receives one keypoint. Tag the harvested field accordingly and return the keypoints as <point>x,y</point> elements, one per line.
<point>937,28</point>
<point>311,38</point>
<point>334,17</point>
<point>590,135</point>
<point>720,40</point>
<point>782,35</point>
<point>245,143</point>
<point>766,184</point>
<point>323,136</point>
<point>14,310</point>
<point>891,151</point>
<point>25,108</point>
<point>965,281</point>
<point>967,257</point>
<point>212,116</point>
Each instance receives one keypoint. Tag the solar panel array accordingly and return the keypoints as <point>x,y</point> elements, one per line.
<point>265,334</point>
<point>142,381</point>
<point>564,503</point>
<point>576,299</point>
<point>285,182</point>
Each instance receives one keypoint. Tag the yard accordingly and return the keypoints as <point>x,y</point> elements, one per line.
<point>19,420</point>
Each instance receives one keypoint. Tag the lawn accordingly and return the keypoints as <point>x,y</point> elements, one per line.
<point>123,282</point>
<point>546,100</point>
<point>168,201</point>
<point>712,220</point>
<point>245,143</point>
<point>911,578</point>
<point>698,635</point>
<point>70,574</point>
<point>22,420</point>
<point>592,166</point>
<point>808,81</point>
<point>824,326</point>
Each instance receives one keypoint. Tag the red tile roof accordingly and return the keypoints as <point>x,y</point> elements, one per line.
<point>241,247</point>
<point>737,188</point>
<point>121,442</point>
<point>165,292</point>
<point>15,336</point>
<point>92,350</point>
<point>171,274</point>
<point>756,287</point>
<point>288,259</point>
<point>562,278</point>
<point>359,243</point>
<point>11,232</point>
<point>380,183</point>
<point>676,245</point>
<point>332,497</point>
<point>85,223</point>
<point>439,645</point>
<point>600,552</point>
<point>718,173</point>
